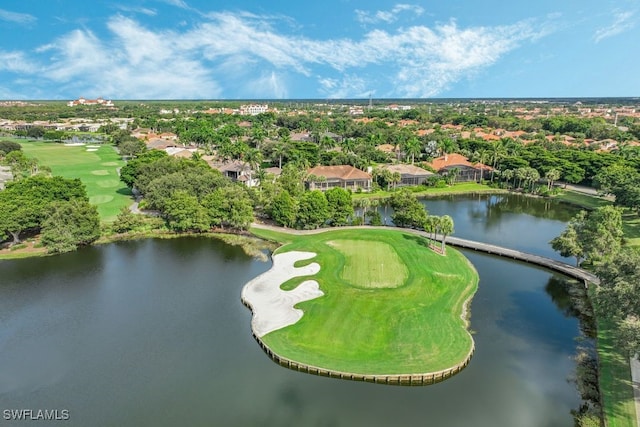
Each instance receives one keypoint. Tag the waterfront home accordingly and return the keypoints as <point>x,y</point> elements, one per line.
<point>344,176</point>
<point>467,171</point>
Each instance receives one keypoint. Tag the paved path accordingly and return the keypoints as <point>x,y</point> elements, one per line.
<point>635,383</point>
<point>564,268</point>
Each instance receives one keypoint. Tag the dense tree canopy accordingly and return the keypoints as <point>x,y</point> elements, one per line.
<point>24,203</point>
<point>69,224</point>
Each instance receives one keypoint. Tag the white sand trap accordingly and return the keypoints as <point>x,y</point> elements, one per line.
<point>272,307</point>
<point>93,146</point>
<point>92,149</point>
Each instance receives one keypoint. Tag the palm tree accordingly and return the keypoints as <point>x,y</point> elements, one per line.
<point>452,174</point>
<point>395,179</point>
<point>445,224</point>
<point>430,227</point>
<point>279,150</point>
<point>508,175</point>
<point>252,158</point>
<point>412,147</point>
<point>551,176</point>
<point>258,135</point>
<point>364,204</point>
<point>520,174</point>
<point>498,151</point>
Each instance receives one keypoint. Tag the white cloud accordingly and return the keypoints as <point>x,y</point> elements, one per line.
<point>348,86</point>
<point>15,62</point>
<point>127,67</point>
<point>177,3</point>
<point>267,85</point>
<point>19,18</point>
<point>622,21</point>
<point>142,10</point>
<point>388,16</point>
<point>250,57</point>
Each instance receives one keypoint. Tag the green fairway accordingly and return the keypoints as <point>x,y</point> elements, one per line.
<point>98,170</point>
<point>409,321</point>
<point>615,381</point>
<point>370,264</point>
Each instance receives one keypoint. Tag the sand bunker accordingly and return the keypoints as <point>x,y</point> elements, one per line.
<point>272,307</point>
<point>92,149</point>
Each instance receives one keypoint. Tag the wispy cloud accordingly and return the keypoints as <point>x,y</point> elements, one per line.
<point>177,3</point>
<point>388,16</point>
<point>622,21</point>
<point>142,10</point>
<point>261,60</point>
<point>15,62</point>
<point>19,18</point>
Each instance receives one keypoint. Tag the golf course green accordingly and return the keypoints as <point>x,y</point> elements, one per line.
<point>390,305</point>
<point>96,166</point>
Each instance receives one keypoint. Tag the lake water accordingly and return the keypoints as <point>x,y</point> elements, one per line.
<point>152,333</point>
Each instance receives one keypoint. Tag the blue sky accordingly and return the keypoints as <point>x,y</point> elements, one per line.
<point>247,49</point>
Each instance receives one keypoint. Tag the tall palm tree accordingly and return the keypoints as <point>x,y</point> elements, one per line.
<point>395,179</point>
<point>551,176</point>
<point>445,224</point>
<point>508,175</point>
<point>252,158</point>
<point>413,148</point>
<point>498,151</point>
<point>279,150</point>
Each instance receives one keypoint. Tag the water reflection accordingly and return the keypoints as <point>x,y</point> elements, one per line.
<point>511,220</point>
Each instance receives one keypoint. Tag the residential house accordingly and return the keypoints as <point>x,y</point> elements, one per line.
<point>344,176</point>
<point>237,171</point>
<point>467,171</point>
<point>410,174</point>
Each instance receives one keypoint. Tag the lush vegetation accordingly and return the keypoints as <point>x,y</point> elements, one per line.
<point>56,206</point>
<point>98,171</point>
<point>411,327</point>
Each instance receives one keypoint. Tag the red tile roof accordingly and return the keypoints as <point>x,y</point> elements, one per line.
<point>343,172</point>
<point>455,159</point>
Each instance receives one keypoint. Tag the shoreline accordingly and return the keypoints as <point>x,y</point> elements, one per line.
<point>402,379</point>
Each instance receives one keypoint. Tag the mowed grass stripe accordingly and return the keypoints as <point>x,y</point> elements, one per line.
<point>414,328</point>
<point>98,171</point>
<point>370,264</point>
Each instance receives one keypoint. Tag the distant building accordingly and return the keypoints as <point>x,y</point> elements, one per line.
<point>344,176</point>
<point>84,101</point>
<point>467,171</point>
<point>410,174</point>
<point>237,171</point>
<point>253,109</point>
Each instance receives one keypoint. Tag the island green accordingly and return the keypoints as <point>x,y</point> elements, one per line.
<point>409,319</point>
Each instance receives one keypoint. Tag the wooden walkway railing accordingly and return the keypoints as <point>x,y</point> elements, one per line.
<point>552,264</point>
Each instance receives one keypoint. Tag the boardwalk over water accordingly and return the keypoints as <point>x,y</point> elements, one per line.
<point>551,264</point>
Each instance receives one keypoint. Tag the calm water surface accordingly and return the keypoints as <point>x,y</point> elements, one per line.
<point>152,333</point>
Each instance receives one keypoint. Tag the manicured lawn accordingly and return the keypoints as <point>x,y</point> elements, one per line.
<point>408,322</point>
<point>583,200</point>
<point>461,188</point>
<point>96,169</point>
<point>615,382</point>
<point>370,264</point>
